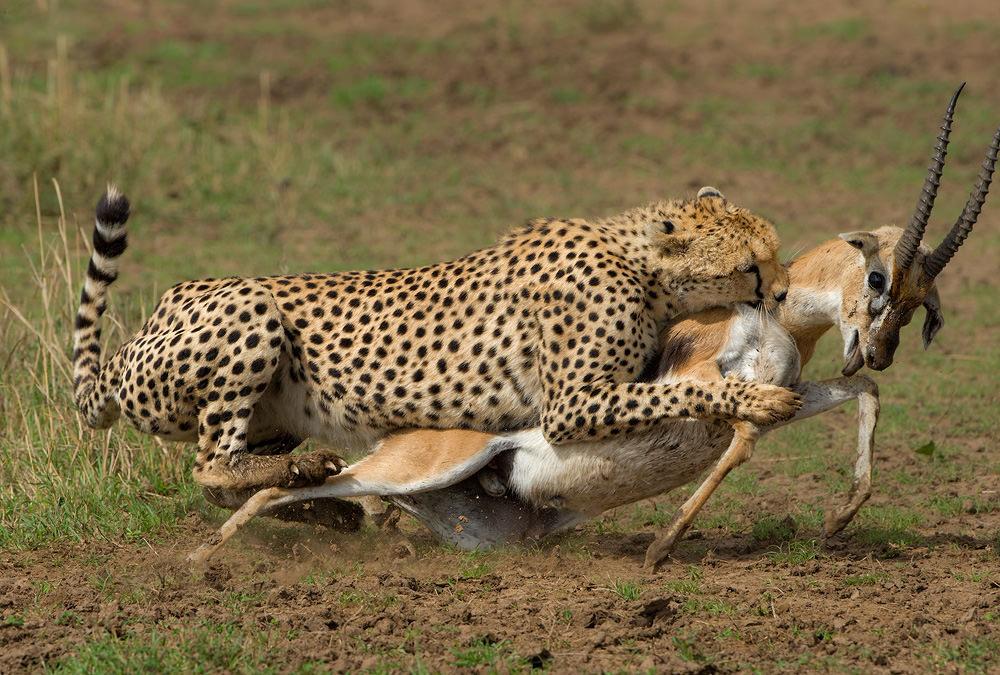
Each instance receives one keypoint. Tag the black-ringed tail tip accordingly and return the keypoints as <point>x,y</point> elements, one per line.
<point>110,237</point>
<point>113,207</point>
<point>110,241</point>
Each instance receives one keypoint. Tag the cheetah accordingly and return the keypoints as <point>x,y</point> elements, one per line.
<point>554,326</point>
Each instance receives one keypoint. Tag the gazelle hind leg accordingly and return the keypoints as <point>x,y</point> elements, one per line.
<point>739,451</point>
<point>405,463</point>
<point>332,513</point>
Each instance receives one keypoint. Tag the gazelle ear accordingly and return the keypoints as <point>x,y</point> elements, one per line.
<point>866,242</point>
<point>933,319</point>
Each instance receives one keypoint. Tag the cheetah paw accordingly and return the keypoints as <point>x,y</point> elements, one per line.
<point>766,404</point>
<point>313,468</point>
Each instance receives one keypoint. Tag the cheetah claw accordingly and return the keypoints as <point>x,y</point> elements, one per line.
<point>313,468</point>
<point>769,405</point>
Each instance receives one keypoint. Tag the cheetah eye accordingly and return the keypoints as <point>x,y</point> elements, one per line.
<point>668,226</point>
<point>751,269</point>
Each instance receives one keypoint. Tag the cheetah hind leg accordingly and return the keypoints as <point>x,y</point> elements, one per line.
<point>225,461</point>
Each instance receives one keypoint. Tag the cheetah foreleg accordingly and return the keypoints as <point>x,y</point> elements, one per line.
<point>585,401</point>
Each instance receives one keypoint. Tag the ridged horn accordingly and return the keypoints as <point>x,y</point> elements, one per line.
<point>906,247</point>
<point>937,260</point>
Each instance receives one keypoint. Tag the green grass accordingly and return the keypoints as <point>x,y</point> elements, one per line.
<point>888,528</point>
<point>13,620</point>
<point>689,649</point>
<point>869,579</point>
<point>711,606</point>
<point>626,590</point>
<point>842,30</point>
<point>974,655</point>
<point>204,647</point>
<point>476,570</point>
<point>683,586</point>
<point>795,552</point>
<point>771,529</point>
<point>495,657</point>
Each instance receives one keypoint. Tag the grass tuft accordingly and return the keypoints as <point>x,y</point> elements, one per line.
<point>773,530</point>
<point>486,652</point>
<point>796,552</point>
<point>205,647</point>
<point>627,590</point>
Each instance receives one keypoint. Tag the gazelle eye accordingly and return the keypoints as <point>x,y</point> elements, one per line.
<point>876,280</point>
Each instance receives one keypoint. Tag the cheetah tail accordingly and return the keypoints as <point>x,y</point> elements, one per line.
<point>110,241</point>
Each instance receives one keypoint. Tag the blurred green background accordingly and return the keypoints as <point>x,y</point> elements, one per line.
<point>258,137</point>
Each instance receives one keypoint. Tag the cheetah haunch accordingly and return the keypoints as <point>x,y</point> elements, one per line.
<point>552,327</point>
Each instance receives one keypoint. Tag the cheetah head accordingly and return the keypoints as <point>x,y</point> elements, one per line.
<point>710,253</point>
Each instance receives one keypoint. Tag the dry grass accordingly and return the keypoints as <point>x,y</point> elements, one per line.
<point>59,479</point>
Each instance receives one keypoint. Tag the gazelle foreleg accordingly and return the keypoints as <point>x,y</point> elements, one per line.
<point>818,397</point>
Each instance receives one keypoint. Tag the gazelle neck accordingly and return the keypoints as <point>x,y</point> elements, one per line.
<point>815,291</point>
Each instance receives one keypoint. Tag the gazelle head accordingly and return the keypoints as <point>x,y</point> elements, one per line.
<point>899,273</point>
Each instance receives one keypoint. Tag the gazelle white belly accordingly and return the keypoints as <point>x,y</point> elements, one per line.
<point>592,477</point>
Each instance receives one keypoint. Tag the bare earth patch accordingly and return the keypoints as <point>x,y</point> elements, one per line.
<point>873,599</point>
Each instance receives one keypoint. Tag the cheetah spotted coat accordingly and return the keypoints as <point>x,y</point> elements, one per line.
<point>554,325</point>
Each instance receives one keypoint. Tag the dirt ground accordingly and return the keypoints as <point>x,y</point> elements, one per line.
<point>364,602</point>
<point>576,109</point>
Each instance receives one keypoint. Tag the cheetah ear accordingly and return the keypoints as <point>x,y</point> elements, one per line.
<point>709,191</point>
<point>677,243</point>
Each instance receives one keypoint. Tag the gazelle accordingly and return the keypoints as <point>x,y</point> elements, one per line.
<point>868,284</point>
